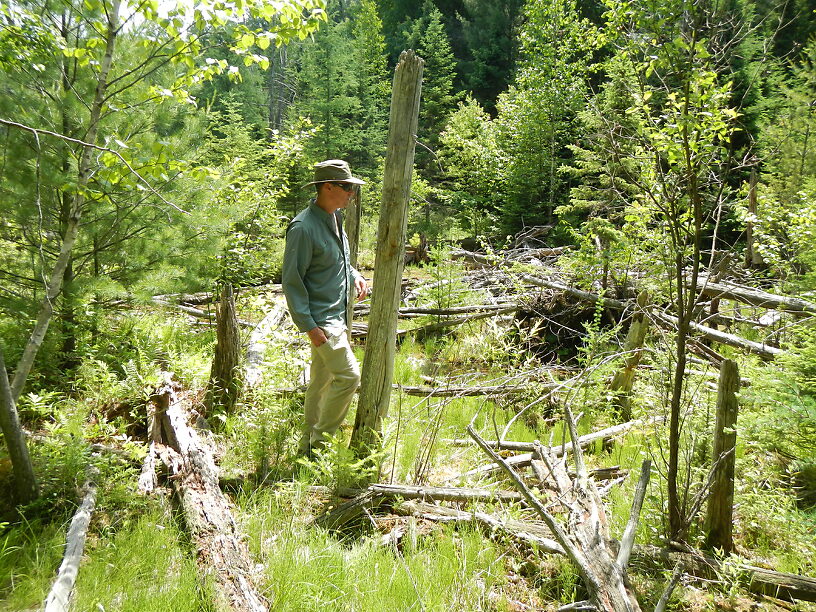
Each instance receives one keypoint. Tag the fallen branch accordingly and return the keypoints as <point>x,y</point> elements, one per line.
<point>587,543</point>
<point>584,441</point>
<point>60,595</point>
<point>757,297</point>
<point>761,349</point>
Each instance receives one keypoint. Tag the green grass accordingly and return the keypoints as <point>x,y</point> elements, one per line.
<point>306,568</point>
<point>30,553</point>
<point>143,566</point>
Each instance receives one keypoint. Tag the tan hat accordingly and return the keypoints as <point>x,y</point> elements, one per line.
<point>334,171</point>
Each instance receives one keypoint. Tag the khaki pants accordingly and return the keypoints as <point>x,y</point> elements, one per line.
<point>335,376</point>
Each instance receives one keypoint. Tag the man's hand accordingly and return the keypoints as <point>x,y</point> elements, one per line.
<point>317,336</point>
<point>361,286</point>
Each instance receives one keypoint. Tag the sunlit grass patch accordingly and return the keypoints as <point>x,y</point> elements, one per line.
<point>143,566</point>
<point>307,568</point>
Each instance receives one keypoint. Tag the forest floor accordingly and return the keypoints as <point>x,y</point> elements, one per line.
<point>138,556</point>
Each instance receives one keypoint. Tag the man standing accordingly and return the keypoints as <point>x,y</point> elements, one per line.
<point>317,279</point>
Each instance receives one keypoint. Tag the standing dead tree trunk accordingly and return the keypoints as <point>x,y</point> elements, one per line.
<point>221,552</point>
<point>719,518</point>
<point>633,348</point>
<point>378,368</point>
<point>225,377</point>
<point>25,482</point>
<point>585,539</point>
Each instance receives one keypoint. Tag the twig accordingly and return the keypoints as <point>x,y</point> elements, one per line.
<point>628,539</point>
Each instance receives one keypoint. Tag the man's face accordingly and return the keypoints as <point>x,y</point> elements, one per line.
<point>341,193</point>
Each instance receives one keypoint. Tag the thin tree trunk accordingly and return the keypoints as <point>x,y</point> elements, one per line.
<point>719,517</point>
<point>25,483</point>
<point>54,286</point>
<point>378,368</point>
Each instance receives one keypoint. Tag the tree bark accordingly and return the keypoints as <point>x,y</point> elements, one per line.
<point>25,483</point>
<point>221,552</point>
<point>225,376</point>
<point>60,595</point>
<point>378,367</point>
<point>719,516</point>
<point>757,297</point>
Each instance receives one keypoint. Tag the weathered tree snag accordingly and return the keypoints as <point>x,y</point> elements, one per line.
<point>586,539</point>
<point>225,376</point>
<point>25,482</point>
<point>719,517</point>
<point>221,553</point>
<point>258,339</point>
<point>753,258</point>
<point>624,378</point>
<point>60,595</point>
<point>378,367</point>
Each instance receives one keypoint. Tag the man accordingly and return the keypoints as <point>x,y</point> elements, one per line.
<point>317,279</point>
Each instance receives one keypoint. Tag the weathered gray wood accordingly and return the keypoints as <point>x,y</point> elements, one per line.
<point>763,350</point>
<point>25,482</point>
<point>753,258</point>
<point>523,532</point>
<point>586,541</point>
<point>628,538</point>
<point>378,367</point>
<point>221,552</point>
<point>455,494</point>
<point>756,579</point>
<point>258,341</point>
<point>624,378</point>
<point>225,377</point>
<point>757,297</point>
<point>435,327</point>
<point>59,596</point>
<point>586,440</point>
<point>584,296</point>
<point>719,515</point>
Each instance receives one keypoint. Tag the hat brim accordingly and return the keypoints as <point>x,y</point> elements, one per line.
<point>352,180</point>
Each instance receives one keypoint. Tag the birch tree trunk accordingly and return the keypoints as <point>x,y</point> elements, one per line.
<point>378,368</point>
<point>54,286</point>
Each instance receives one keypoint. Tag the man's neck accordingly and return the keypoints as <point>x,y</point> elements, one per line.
<point>325,205</point>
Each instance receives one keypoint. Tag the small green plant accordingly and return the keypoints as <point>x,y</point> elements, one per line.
<point>336,466</point>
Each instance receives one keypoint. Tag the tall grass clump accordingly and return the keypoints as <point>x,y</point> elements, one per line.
<point>143,566</point>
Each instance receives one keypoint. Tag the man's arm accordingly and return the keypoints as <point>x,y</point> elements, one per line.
<point>296,259</point>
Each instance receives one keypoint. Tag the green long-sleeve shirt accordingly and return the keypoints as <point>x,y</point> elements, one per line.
<point>317,275</point>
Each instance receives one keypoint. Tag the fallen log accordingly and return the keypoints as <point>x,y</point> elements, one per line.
<point>195,312</point>
<point>450,494</point>
<point>757,297</point>
<point>757,348</point>
<point>221,553</point>
<point>463,390</point>
<point>435,327</point>
<point>258,341</point>
<point>584,296</point>
<point>758,580</point>
<point>524,532</point>
<point>59,597</point>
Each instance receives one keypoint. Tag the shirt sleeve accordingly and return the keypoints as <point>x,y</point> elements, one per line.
<point>297,256</point>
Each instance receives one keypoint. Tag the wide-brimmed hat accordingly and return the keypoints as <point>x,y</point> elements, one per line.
<point>333,171</point>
